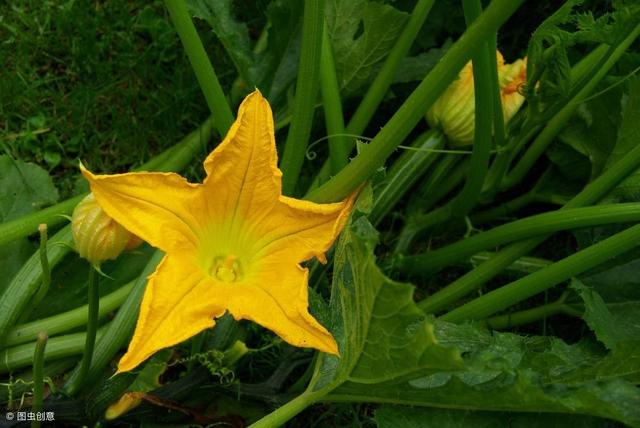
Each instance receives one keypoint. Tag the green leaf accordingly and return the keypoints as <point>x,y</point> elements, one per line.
<point>506,372</point>
<point>362,34</point>
<point>24,188</point>
<point>233,35</point>
<point>610,329</point>
<point>415,68</point>
<point>384,339</point>
<point>593,131</point>
<point>417,417</point>
<point>628,137</point>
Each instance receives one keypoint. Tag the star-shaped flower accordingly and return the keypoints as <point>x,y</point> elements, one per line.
<point>233,243</point>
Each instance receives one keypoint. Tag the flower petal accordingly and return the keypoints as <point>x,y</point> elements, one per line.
<point>174,308</point>
<point>160,208</point>
<point>277,299</point>
<point>299,230</point>
<point>244,165</point>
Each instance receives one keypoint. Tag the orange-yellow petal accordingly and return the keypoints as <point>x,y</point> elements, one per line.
<point>177,305</point>
<point>244,165</point>
<point>512,79</point>
<point>276,297</point>
<point>160,208</point>
<point>300,230</point>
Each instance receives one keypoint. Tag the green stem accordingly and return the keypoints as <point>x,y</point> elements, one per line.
<point>446,177</point>
<point>376,92</point>
<point>38,376</point>
<point>500,165</point>
<point>306,95</point>
<point>118,331</point>
<point>173,159</point>
<point>380,85</point>
<point>541,224</point>
<point>524,265</point>
<point>555,125</point>
<point>505,208</point>
<point>44,264</point>
<point>211,89</point>
<point>498,115</point>
<point>20,356</point>
<point>412,110</point>
<point>482,138</point>
<point>284,413</point>
<point>68,320</point>
<point>27,280</point>
<point>473,280</point>
<point>546,278</point>
<point>528,316</point>
<point>405,172</point>
<point>92,323</point>
<point>339,147</point>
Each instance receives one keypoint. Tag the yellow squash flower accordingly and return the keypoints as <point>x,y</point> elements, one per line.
<point>233,243</point>
<point>455,110</point>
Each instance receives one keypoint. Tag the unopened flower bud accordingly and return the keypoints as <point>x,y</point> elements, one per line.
<point>97,236</point>
<point>454,111</point>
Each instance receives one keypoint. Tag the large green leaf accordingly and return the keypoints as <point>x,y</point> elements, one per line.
<point>506,372</point>
<point>420,417</point>
<point>362,33</point>
<point>384,339</point>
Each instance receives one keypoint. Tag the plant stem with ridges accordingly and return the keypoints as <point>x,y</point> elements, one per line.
<point>306,95</point>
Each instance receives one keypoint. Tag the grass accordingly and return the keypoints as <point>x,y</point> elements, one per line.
<point>91,81</point>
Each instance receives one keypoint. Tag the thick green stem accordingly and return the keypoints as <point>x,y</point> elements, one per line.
<point>541,224</point>
<point>473,280</point>
<point>380,85</point>
<point>174,158</point>
<point>282,414</point>
<point>44,265</point>
<point>498,115</point>
<point>339,143</point>
<point>441,177</point>
<point>459,206</point>
<point>412,110</point>
<point>68,320</point>
<point>406,170</point>
<point>542,280</point>
<point>527,316</point>
<point>92,324</point>
<point>59,347</point>
<point>523,266</point>
<point>209,84</point>
<point>306,95</point>
<point>482,139</point>
<point>504,209</point>
<point>555,125</point>
<point>38,376</point>
<point>376,92</point>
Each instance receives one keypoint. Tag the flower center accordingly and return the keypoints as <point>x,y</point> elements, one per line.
<point>227,269</point>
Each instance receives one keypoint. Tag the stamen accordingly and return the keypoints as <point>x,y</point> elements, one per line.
<point>227,269</point>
